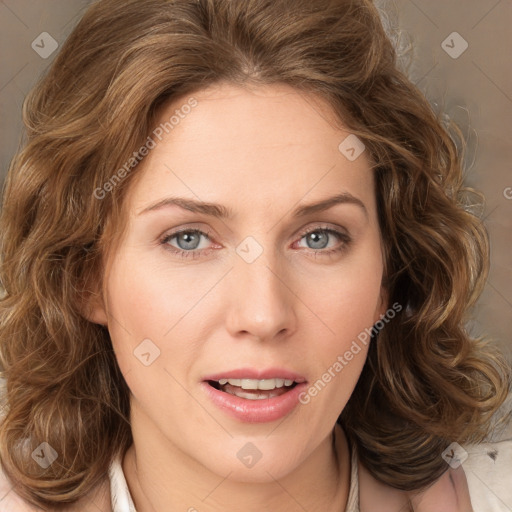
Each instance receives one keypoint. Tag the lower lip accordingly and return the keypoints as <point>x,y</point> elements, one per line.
<point>255,411</point>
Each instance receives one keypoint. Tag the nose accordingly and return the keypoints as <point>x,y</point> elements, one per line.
<point>261,301</point>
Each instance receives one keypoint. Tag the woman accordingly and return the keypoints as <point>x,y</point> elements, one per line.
<point>237,258</point>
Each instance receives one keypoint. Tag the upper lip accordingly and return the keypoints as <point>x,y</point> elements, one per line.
<point>253,373</point>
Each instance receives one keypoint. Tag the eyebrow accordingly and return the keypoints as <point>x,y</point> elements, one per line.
<point>222,212</point>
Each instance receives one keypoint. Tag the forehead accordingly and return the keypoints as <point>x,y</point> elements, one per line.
<point>263,144</point>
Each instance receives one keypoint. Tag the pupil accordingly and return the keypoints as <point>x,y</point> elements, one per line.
<point>318,236</point>
<point>189,239</point>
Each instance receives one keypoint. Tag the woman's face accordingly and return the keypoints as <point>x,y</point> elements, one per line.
<point>244,292</point>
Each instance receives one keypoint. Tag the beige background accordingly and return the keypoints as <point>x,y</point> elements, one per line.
<point>474,89</point>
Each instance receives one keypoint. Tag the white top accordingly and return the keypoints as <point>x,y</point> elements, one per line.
<point>488,471</point>
<point>119,493</point>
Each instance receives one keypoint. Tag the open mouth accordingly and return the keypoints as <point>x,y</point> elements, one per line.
<point>269,395</point>
<point>253,389</point>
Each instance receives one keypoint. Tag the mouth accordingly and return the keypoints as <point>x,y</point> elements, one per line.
<point>255,396</point>
<point>254,389</point>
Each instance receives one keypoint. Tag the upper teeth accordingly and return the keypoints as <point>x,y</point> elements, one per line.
<point>257,384</point>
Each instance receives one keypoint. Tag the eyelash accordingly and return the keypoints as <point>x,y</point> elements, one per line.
<point>194,253</point>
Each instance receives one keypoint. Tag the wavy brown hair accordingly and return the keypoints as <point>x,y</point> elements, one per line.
<point>426,382</point>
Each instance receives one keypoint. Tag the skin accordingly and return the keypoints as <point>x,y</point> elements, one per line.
<point>261,152</point>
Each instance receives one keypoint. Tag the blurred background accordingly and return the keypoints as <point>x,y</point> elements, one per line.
<point>456,51</point>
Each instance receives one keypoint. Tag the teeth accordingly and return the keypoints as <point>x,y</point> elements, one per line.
<point>263,384</point>
<point>251,396</point>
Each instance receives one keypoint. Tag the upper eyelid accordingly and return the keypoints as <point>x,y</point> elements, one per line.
<point>301,232</point>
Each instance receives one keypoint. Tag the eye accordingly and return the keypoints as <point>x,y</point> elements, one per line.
<point>318,239</point>
<point>188,242</point>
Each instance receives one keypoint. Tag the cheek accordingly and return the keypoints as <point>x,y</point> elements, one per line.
<point>146,315</point>
<point>348,307</point>
<point>149,301</point>
<point>349,299</point>
<point>348,302</point>
<point>147,298</point>
<point>142,306</point>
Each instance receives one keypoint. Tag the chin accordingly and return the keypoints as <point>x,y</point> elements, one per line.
<point>258,461</point>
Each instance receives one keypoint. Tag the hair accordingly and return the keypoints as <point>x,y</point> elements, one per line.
<point>426,382</point>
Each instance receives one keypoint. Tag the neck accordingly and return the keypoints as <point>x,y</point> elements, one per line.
<point>160,476</point>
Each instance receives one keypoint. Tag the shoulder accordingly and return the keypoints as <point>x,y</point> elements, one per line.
<point>482,483</point>
<point>448,494</point>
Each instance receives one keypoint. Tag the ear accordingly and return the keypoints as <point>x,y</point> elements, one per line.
<point>94,310</point>
<point>382,306</point>
<point>91,302</point>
